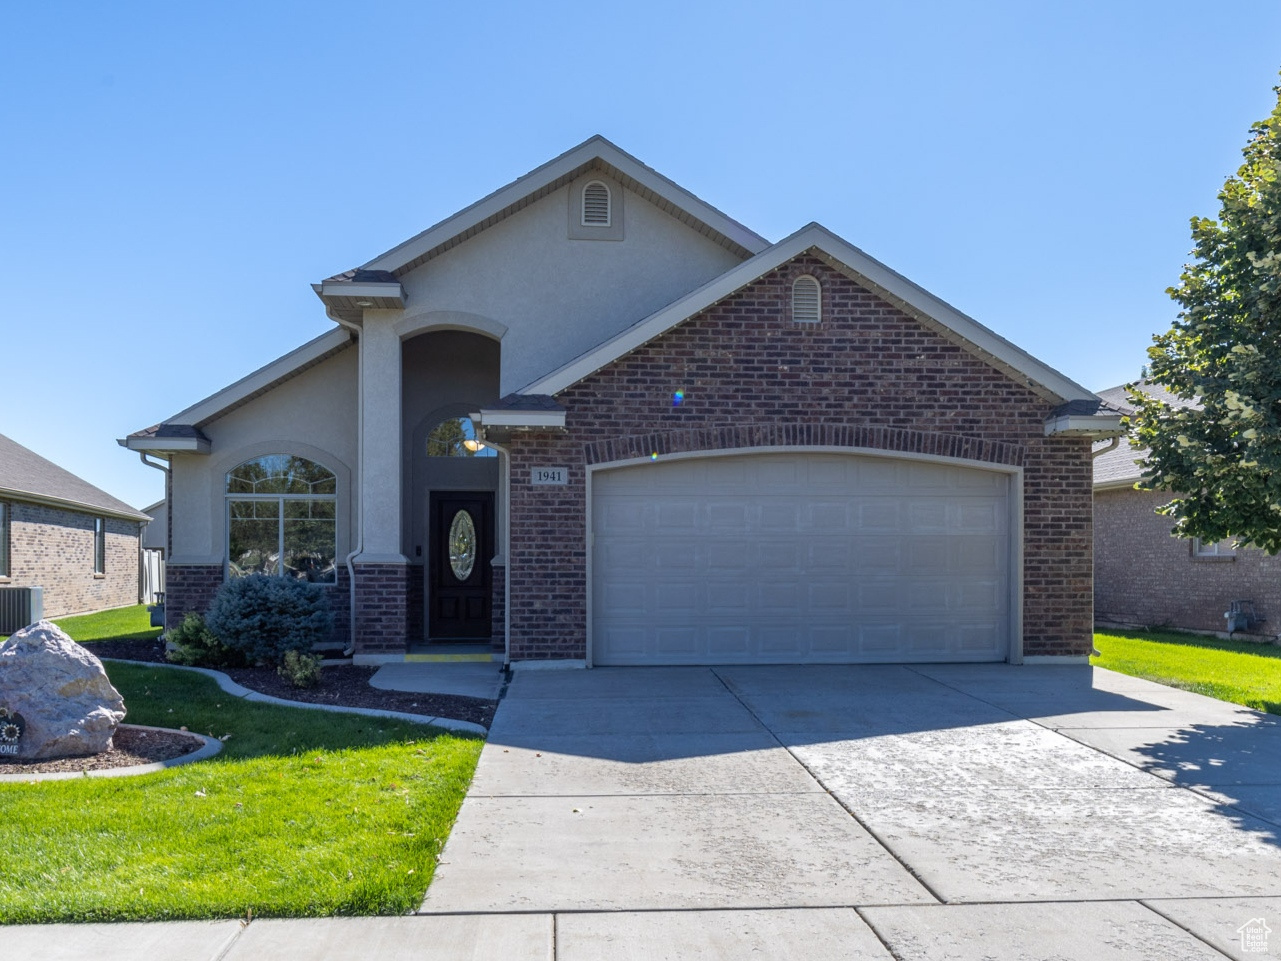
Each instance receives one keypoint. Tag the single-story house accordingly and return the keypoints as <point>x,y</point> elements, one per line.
<point>596,420</point>
<point>1144,576</point>
<point>64,535</point>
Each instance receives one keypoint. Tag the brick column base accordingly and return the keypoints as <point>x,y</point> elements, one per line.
<point>383,608</point>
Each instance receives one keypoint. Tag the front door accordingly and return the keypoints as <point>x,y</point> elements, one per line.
<point>458,570</point>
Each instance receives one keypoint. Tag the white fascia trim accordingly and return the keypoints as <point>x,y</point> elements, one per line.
<point>1096,425</point>
<point>875,273</point>
<point>553,170</point>
<point>79,507</point>
<point>521,418</point>
<point>364,291</point>
<point>168,445</point>
<point>1118,483</point>
<point>261,378</point>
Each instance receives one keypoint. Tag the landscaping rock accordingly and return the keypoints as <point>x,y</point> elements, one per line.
<point>55,699</point>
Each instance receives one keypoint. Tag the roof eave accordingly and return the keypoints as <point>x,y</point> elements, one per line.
<point>346,296</point>
<point>528,419</point>
<point>79,507</point>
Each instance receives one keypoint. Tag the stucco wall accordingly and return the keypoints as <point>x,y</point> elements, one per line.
<point>866,376</point>
<point>54,549</point>
<point>1145,577</point>
<point>558,296</point>
<point>312,415</point>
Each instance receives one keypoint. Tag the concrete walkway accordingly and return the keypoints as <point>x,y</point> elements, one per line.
<point>880,813</point>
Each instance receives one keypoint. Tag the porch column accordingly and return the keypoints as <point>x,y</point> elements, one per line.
<point>380,466</point>
<point>382,571</point>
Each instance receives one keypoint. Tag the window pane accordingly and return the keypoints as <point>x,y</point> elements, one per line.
<point>253,538</point>
<point>309,543</point>
<point>4,540</point>
<point>99,546</point>
<point>281,474</point>
<point>456,437</point>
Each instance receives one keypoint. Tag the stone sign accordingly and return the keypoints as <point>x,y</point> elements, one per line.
<point>55,699</point>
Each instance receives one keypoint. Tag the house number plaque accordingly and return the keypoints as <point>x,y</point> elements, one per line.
<point>558,476</point>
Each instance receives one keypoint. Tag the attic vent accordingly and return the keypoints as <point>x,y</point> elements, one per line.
<point>807,300</point>
<point>596,212</point>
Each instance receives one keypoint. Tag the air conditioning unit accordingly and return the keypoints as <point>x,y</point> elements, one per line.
<point>20,606</point>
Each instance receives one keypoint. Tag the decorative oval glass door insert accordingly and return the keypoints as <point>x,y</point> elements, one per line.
<point>462,545</point>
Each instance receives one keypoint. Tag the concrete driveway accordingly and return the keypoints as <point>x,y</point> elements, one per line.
<point>871,812</point>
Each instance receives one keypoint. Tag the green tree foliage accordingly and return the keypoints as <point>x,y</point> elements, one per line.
<point>1223,457</point>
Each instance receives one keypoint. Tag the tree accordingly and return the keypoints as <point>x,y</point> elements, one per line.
<point>1222,457</point>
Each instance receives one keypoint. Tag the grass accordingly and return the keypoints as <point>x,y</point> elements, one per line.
<point>304,813</point>
<point>120,624</point>
<point>1237,671</point>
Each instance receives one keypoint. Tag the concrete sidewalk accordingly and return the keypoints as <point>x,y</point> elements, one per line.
<point>957,812</point>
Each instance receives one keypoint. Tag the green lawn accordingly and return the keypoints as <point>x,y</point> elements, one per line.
<point>121,624</point>
<point>303,813</point>
<point>1236,671</point>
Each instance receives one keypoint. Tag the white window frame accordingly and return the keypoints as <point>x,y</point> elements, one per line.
<point>100,547</point>
<point>1221,548</point>
<point>5,540</point>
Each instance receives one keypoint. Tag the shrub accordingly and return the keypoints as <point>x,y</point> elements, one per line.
<point>197,646</point>
<point>265,617</point>
<point>300,670</point>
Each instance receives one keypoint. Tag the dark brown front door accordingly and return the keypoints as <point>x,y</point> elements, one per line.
<point>459,577</point>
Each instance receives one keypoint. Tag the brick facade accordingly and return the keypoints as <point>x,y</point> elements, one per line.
<point>53,548</point>
<point>868,376</point>
<point>383,594</point>
<point>1144,577</point>
<point>191,587</point>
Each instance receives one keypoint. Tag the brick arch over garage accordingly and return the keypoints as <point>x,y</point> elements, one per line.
<point>827,435</point>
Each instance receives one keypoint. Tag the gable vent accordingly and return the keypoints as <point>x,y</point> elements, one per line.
<point>596,212</point>
<point>807,301</point>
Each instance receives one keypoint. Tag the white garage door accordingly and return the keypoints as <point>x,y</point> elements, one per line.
<point>802,557</point>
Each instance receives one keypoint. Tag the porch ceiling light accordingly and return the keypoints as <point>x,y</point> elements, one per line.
<point>472,445</point>
<point>364,303</point>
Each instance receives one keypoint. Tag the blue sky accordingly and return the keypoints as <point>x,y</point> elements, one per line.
<point>176,175</point>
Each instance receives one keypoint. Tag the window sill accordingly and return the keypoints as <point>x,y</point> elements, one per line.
<point>1214,558</point>
<point>99,577</point>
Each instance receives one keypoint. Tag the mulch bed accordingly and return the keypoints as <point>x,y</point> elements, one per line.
<point>344,685</point>
<point>131,746</point>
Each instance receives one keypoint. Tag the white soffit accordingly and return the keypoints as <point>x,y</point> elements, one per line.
<point>264,378</point>
<point>519,191</point>
<point>867,271</point>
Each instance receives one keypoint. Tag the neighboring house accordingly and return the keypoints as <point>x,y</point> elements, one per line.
<point>1146,577</point>
<point>62,534</point>
<point>595,419</point>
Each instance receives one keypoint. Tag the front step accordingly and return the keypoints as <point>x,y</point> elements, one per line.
<point>451,653</point>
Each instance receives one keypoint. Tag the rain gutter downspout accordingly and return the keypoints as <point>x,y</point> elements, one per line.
<point>1116,442</point>
<point>359,545</point>
<point>507,551</point>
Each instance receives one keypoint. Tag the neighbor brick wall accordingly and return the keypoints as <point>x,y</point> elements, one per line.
<point>1145,577</point>
<point>53,548</point>
<point>867,376</point>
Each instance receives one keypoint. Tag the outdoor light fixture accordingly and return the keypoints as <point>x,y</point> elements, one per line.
<point>472,445</point>
<point>364,303</point>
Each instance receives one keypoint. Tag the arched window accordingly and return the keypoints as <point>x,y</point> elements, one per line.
<point>807,300</point>
<point>456,437</point>
<point>596,205</point>
<point>281,514</point>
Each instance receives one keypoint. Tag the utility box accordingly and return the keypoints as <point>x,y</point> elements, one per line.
<point>20,606</point>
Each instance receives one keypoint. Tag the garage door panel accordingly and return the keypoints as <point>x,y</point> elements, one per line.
<point>799,557</point>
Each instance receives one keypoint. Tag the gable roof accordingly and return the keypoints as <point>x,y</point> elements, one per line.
<point>1122,466</point>
<point>912,299</point>
<point>25,475</point>
<point>181,433</point>
<point>595,153</point>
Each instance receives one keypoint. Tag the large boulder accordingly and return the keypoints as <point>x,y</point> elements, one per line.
<point>55,699</point>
